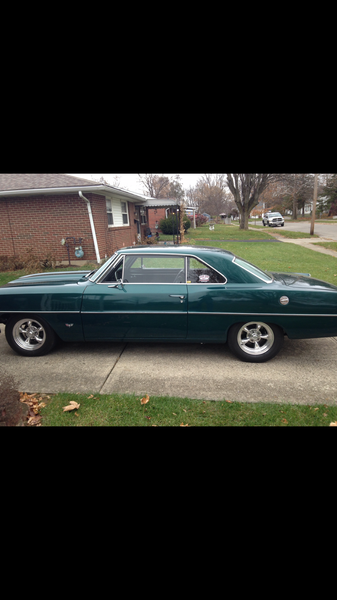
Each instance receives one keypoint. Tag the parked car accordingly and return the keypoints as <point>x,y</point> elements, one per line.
<point>169,294</point>
<point>273,219</point>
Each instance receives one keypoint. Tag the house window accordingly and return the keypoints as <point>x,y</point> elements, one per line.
<point>109,212</point>
<point>125,214</point>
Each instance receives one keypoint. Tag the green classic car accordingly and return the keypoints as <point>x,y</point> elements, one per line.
<point>169,294</point>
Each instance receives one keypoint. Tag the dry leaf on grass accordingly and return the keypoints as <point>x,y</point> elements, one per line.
<point>72,406</point>
<point>284,421</point>
<point>333,424</point>
<point>34,420</point>
<point>145,399</point>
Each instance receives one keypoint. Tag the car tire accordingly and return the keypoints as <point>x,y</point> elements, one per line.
<point>30,336</point>
<point>282,224</point>
<point>255,341</point>
<point>264,224</point>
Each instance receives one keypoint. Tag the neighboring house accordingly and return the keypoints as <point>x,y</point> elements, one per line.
<point>38,211</point>
<point>157,209</point>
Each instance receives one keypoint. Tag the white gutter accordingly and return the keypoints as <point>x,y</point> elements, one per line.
<point>92,226</point>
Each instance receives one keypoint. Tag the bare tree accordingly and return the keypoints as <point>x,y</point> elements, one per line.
<point>161,186</point>
<point>211,194</point>
<point>115,180</point>
<point>296,190</point>
<point>247,189</point>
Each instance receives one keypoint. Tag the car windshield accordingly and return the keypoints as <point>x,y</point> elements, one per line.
<point>274,215</point>
<point>94,275</point>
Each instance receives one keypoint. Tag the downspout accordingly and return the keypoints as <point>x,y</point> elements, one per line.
<point>92,226</point>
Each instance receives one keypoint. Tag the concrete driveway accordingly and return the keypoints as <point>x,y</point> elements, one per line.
<point>304,372</point>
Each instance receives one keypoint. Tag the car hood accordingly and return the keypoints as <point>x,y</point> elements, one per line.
<point>303,281</point>
<point>61,278</point>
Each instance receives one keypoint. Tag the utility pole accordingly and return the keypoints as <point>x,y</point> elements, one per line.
<point>314,207</point>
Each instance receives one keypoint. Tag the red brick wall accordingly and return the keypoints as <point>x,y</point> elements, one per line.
<point>40,222</point>
<point>153,217</point>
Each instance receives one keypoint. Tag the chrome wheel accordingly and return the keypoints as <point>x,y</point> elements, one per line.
<point>255,341</point>
<point>29,334</point>
<point>255,338</point>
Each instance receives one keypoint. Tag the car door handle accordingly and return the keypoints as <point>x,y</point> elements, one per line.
<point>177,296</point>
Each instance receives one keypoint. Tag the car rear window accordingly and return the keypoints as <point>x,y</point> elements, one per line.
<point>252,269</point>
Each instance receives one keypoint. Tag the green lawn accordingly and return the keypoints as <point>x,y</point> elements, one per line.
<point>127,411</point>
<point>284,258</point>
<point>224,232</point>
<point>328,245</point>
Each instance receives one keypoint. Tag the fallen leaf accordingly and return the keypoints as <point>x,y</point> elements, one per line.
<point>184,410</point>
<point>174,414</point>
<point>92,395</point>
<point>316,408</point>
<point>145,399</point>
<point>147,417</point>
<point>42,405</point>
<point>333,424</point>
<point>325,415</point>
<point>182,425</point>
<point>284,421</point>
<point>34,420</point>
<point>230,401</point>
<point>72,406</point>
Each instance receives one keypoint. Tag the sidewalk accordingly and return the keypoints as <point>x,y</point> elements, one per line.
<point>306,243</point>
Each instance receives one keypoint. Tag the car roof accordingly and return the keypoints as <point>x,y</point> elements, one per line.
<point>213,256</point>
<point>177,249</point>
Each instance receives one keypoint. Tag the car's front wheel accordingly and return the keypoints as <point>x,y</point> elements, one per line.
<point>30,336</point>
<point>255,341</point>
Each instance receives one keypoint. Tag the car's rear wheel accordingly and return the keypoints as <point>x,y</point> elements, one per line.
<point>264,224</point>
<point>30,336</point>
<point>255,341</point>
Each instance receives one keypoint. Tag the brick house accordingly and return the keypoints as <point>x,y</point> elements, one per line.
<point>38,211</point>
<point>157,209</point>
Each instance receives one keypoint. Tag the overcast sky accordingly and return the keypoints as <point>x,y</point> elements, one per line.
<point>130,181</point>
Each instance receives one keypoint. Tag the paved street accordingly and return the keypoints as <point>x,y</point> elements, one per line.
<point>325,230</point>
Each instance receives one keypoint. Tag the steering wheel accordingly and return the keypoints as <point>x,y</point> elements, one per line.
<point>177,277</point>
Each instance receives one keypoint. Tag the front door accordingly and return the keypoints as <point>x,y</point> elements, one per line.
<point>142,297</point>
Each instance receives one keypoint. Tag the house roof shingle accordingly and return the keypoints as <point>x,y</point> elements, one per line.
<point>20,181</point>
<point>16,184</point>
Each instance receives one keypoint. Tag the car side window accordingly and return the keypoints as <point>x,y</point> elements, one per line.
<point>154,269</point>
<point>198,272</point>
